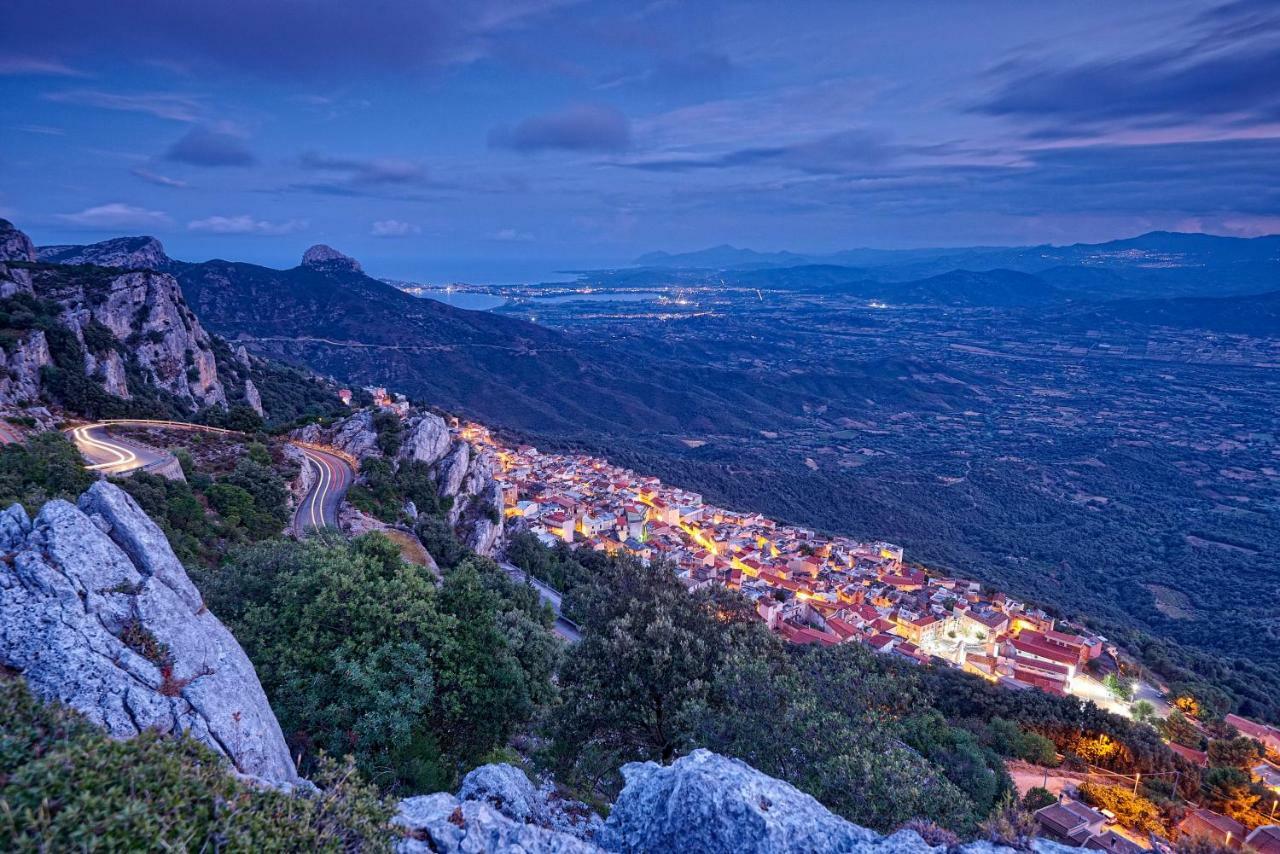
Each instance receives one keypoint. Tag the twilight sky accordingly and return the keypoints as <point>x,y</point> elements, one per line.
<point>488,140</point>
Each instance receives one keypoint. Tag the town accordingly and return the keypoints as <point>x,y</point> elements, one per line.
<point>807,588</point>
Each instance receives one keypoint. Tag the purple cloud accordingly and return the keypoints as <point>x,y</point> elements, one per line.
<point>583,127</point>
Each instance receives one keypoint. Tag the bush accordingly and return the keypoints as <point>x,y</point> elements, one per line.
<point>360,653</point>
<point>46,466</point>
<point>66,786</point>
<point>1132,811</point>
<point>1038,798</point>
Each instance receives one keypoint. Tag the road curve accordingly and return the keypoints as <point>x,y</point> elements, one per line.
<point>333,474</point>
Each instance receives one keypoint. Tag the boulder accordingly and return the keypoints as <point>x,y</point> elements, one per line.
<point>97,612</point>
<point>709,803</point>
<point>443,824</point>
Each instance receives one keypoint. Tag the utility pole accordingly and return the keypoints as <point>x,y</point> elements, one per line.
<point>1136,777</point>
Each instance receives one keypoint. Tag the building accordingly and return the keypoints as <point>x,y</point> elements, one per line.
<point>1268,735</point>
<point>1265,839</point>
<point>1114,843</point>
<point>1212,826</point>
<point>1071,822</point>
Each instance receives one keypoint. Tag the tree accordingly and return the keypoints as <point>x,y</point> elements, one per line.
<point>1238,752</point>
<point>1177,727</point>
<point>1120,687</point>
<point>1143,711</point>
<point>47,465</point>
<point>359,653</point>
<point>1038,797</point>
<point>1132,811</point>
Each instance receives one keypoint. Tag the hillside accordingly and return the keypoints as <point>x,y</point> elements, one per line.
<point>1254,314</point>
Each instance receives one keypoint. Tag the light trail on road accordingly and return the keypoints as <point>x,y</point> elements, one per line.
<point>318,509</point>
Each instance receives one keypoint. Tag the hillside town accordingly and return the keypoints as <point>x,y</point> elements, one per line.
<point>807,587</point>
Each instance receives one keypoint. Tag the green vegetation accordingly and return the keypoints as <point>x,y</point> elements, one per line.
<point>46,466</point>
<point>361,653</point>
<point>66,786</point>
<point>660,671</point>
<point>385,486</point>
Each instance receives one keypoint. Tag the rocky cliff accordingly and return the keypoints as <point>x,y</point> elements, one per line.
<point>126,253</point>
<point>146,314</point>
<point>462,474</point>
<point>97,612</point>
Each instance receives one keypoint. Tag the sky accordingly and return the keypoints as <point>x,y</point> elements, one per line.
<point>489,140</point>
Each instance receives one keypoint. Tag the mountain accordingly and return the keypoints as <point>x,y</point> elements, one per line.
<point>1156,264</point>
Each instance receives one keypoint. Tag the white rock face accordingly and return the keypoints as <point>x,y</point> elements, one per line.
<point>453,469</point>
<point>20,369</point>
<point>354,434</point>
<point>14,244</point>
<point>426,439</point>
<point>147,311</point>
<point>87,590</point>
<point>129,253</point>
<point>252,397</point>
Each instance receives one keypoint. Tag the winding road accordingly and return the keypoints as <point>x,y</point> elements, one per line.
<point>332,473</point>
<point>564,627</point>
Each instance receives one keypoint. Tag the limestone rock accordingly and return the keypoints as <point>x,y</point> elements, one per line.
<point>97,612</point>
<point>252,397</point>
<point>426,439</point>
<point>146,311</point>
<point>14,244</point>
<point>354,434</point>
<point>321,257</point>
<point>128,253</point>
<point>20,369</point>
<point>443,824</point>
<point>505,788</point>
<point>709,803</point>
<point>453,469</point>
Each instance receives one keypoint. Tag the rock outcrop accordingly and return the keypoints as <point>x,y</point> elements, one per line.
<point>252,397</point>
<point>145,312</point>
<point>702,802</point>
<point>14,244</point>
<point>97,612</point>
<point>321,257</point>
<point>353,435</point>
<point>426,439</point>
<point>20,369</point>
<point>127,253</point>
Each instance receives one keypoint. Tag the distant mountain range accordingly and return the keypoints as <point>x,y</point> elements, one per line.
<point>1159,263</point>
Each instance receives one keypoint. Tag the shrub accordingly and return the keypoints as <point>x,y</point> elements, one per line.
<point>66,786</point>
<point>1038,798</point>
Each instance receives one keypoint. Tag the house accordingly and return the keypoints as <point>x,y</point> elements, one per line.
<point>1114,843</point>
<point>1071,822</point>
<point>1196,757</point>
<point>1032,645</point>
<point>1268,735</point>
<point>1213,826</point>
<point>1265,839</point>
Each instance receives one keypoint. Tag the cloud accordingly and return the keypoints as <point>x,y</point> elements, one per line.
<point>1224,63</point>
<point>158,179</point>
<point>164,105</point>
<point>582,127</point>
<point>319,39</point>
<point>837,152</point>
<point>511,235</point>
<point>115,216</point>
<point>33,66</point>
<point>245,224</point>
<point>393,228</point>
<point>208,147</point>
<point>43,130</point>
<point>377,170</point>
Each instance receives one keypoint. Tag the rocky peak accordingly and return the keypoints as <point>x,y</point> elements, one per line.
<point>321,257</point>
<point>129,253</point>
<point>97,613</point>
<point>14,245</point>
